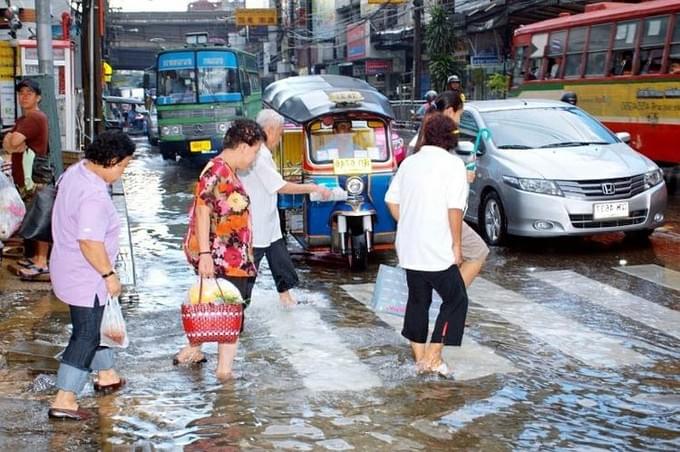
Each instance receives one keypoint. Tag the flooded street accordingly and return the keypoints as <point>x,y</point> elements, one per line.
<point>572,344</point>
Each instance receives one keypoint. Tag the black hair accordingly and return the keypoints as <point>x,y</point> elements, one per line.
<point>449,99</point>
<point>439,130</point>
<point>110,148</point>
<point>243,131</point>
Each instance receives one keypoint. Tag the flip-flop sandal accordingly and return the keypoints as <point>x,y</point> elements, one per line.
<point>14,251</point>
<point>26,263</point>
<point>34,272</point>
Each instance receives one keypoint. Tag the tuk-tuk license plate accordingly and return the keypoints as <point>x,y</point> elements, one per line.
<point>610,210</point>
<point>200,146</point>
<point>352,166</point>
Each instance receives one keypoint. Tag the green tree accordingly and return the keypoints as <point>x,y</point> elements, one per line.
<point>498,84</point>
<point>440,44</point>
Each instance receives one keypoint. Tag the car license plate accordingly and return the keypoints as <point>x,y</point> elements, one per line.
<point>352,166</point>
<point>200,146</point>
<point>610,210</point>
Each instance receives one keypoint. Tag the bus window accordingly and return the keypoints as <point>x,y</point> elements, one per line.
<point>674,61</point>
<point>217,84</point>
<point>651,45</point>
<point>624,46</point>
<point>245,83</point>
<point>575,44</point>
<point>176,86</point>
<point>597,50</point>
<point>518,66</point>
<point>555,50</point>
<point>538,44</point>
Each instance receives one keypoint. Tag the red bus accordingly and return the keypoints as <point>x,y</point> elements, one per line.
<point>623,62</point>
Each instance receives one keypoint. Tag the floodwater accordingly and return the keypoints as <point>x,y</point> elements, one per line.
<point>565,351</point>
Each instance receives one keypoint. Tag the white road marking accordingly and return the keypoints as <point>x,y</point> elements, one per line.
<point>654,273</point>
<point>553,328</point>
<point>505,398</point>
<point>623,303</point>
<point>315,350</point>
<point>469,361</point>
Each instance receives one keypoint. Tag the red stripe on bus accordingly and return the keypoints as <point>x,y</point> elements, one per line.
<point>656,141</point>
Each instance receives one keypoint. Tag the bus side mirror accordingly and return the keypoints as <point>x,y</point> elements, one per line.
<point>623,136</point>
<point>146,82</point>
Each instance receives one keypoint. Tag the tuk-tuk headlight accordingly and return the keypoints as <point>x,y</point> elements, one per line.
<point>354,185</point>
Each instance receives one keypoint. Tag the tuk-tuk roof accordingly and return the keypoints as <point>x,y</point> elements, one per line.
<point>123,100</point>
<point>305,98</point>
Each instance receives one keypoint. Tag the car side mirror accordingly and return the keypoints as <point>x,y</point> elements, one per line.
<point>465,148</point>
<point>623,136</point>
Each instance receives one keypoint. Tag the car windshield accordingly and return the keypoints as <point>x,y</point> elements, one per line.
<point>348,139</point>
<point>557,127</point>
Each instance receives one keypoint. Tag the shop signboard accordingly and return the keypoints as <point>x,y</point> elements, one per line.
<point>357,38</point>
<point>374,67</point>
<point>255,17</point>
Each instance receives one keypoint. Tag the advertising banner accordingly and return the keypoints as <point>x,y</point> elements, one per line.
<point>357,39</point>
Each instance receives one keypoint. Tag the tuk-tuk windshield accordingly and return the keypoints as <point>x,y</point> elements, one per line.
<point>348,139</point>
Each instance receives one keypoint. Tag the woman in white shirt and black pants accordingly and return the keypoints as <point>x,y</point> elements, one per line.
<point>427,197</point>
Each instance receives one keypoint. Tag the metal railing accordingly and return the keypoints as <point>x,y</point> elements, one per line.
<point>403,111</point>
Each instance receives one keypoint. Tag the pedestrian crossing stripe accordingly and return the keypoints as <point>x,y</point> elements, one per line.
<point>654,273</point>
<point>468,362</point>
<point>623,303</point>
<point>315,350</point>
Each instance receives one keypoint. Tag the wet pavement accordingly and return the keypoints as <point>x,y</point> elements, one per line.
<point>572,344</point>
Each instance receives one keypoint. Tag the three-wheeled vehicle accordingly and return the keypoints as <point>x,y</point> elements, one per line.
<point>339,137</point>
<point>127,114</point>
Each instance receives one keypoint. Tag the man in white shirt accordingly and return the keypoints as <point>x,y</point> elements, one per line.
<point>427,197</point>
<point>263,182</point>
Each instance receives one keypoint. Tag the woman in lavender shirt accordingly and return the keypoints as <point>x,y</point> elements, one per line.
<point>85,229</point>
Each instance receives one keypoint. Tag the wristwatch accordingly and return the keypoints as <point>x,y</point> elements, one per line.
<point>111,273</point>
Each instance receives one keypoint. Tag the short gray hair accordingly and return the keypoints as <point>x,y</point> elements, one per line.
<point>269,118</point>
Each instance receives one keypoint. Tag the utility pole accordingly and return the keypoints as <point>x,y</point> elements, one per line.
<point>93,17</point>
<point>46,80</point>
<point>291,34</point>
<point>417,48</point>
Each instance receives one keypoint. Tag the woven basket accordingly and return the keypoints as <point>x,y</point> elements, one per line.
<point>210,322</point>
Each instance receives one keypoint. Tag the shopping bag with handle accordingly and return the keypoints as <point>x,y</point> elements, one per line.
<point>113,331</point>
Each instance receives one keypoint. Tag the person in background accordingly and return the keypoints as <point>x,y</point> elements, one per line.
<point>431,184</point>
<point>427,106</point>
<point>219,243</point>
<point>569,97</point>
<point>86,231</point>
<point>453,84</point>
<point>475,251</point>
<point>30,133</point>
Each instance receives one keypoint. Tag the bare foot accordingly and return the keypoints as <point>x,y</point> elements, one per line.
<point>287,300</point>
<point>189,355</point>
<point>224,376</point>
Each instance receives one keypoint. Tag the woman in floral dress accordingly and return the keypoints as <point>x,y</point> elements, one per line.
<point>219,240</point>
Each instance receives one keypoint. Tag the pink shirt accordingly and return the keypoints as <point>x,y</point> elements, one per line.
<point>83,210</point>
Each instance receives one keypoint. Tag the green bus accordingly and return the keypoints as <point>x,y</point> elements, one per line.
<point>199,91</point>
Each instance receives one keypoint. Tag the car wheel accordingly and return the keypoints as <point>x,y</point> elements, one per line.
<point>492,220</point>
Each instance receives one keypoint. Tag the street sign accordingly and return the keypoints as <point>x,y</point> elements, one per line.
<point>256,17</point>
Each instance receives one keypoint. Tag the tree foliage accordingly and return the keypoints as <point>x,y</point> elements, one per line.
<point>440,45</point>
<point>498,84</point>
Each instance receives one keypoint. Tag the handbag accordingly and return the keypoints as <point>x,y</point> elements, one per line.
<point>42,171</point>
<point>212,322</point>
<point>113,332</point>
<point>37,224</point>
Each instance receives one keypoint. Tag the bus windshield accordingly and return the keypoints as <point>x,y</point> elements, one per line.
<point>348,139</point>
<point>218,84</point>
<point>176,86</point>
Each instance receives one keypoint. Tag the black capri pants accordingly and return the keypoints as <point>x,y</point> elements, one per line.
<point>280,263</point>
<point>450,322</point>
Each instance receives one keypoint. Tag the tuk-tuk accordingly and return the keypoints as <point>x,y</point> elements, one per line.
<point>339,136</point>
<point>127,114</point>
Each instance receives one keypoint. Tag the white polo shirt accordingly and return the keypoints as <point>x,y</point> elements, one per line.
<point>426,186</point>
<point>262,182</point>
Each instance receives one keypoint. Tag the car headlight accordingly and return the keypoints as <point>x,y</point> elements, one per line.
<point>354,185</point>
<point>653,178</point>
<point>543,186</point>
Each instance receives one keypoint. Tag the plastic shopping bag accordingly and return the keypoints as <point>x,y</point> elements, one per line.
<point>12,208</point>
<point>113,332</point>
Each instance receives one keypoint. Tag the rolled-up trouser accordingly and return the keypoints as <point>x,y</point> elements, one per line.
<point>472,245</point>
<point>450,323</point>
<point>280,263</point>
<point>83,353</point>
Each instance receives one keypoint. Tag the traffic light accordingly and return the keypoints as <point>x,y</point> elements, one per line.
<point>12,16</point>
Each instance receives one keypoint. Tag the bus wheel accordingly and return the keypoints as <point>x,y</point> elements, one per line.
<point>358,255</point>
<point>492,220</point>
<point>167,154</point>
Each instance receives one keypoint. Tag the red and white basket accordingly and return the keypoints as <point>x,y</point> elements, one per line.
<point>211,322</point>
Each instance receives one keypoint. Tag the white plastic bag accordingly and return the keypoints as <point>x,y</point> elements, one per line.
<point>113,332</point>
<point>12,208</point>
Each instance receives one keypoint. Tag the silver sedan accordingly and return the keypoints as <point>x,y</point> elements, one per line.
<point>550,169</point>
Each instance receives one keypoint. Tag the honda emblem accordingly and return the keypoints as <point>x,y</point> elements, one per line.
<point>608,188</point>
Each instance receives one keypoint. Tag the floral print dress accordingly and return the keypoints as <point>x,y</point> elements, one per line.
<point>231,234</point>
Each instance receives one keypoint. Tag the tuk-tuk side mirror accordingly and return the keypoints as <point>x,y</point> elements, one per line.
<point>623,136</point>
